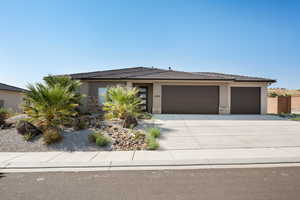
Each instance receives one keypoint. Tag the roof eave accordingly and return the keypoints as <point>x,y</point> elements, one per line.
<point>176,79</point>
<point>155,79</point>
<point>14,90</point>
<point>261,81</point>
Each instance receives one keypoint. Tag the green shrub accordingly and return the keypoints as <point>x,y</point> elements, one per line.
<point>138,135</point>
<point>273,94</point>
<point>108,116</point>
<point>102,141</point>
<point>154,132</point>
<point>51,136</point>
<point>296,119</point>
<point>92,138</point>
<point>289,115</point>
<point>4,114</point>
<point>28,136</point>
<point>284,115</point>
<point>152,144</point>
<point>80,125</point>
<point>145,116</point>
<point>99,138</point>
<point>4,111</point>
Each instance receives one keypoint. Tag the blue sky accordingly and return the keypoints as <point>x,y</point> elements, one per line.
<point>258,38</point>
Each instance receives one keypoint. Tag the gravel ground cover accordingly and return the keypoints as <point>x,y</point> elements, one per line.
<point>11,141</point>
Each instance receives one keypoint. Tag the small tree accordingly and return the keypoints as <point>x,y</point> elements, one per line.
<point>122,102</point>
<point>66,82</point>
<point>53,103</point>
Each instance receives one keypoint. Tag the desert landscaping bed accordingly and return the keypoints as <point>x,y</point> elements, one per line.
<point>120,139</point>
<point>53,120</point>
<point>11,141</point>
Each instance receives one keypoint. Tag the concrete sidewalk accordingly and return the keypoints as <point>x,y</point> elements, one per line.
<point>135,159</point>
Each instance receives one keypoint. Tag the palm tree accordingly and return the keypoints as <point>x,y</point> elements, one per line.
<point>122,102</point>
<point>66,82</point>
<point>50,105</point>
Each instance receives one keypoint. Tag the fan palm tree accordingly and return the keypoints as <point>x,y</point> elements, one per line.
<point>121,102</point>
<point>66,82</point>
<point>50,105</point>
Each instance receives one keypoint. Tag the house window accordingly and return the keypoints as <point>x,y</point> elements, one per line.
<point>101,95</point>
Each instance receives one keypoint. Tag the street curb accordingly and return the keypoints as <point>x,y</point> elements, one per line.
<point>140,164</point>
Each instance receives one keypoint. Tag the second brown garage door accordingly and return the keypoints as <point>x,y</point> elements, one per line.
<point>245,100</point>
<point>190,99</point>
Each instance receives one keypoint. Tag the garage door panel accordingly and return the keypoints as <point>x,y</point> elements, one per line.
<point>245,100</point>
<point>190,99</point>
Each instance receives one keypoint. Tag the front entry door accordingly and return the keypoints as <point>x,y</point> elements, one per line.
<point>143,94</point>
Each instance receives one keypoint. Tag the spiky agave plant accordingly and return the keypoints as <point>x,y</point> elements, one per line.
<point>122,102</point>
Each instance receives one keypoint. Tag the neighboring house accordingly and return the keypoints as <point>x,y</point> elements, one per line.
<point>11,97</point>
<point>177,92</point>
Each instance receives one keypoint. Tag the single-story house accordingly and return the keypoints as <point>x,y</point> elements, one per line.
<point>178,92</point>
<point>11,97</point>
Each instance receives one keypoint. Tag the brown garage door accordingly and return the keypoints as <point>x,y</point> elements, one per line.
<point>245,100</point>
<point>190,99</point>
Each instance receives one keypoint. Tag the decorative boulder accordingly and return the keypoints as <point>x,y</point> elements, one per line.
<point>23,127</point>
<point>95,120</point>
<point>2,121</point>
<point>87,121</point>
<point>3,124</point>
<point>130,122</point>
<point>12,121</point>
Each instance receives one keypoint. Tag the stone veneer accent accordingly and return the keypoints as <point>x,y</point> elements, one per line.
<point>156,98</point>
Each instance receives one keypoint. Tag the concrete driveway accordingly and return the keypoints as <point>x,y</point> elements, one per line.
<point>226,131</point>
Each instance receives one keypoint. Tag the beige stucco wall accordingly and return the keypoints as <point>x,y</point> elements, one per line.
<point>264,99</point>
<point>84,89</point>
<point>225,98</point>
<point>94,85</point>
<point>12,100</point>
<point>129,84</point>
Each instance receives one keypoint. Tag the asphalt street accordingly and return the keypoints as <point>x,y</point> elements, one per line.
<point>231,184</point>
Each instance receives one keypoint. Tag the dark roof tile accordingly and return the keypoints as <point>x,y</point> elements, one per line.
<point>161,74</point>
<point>11,88</point>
